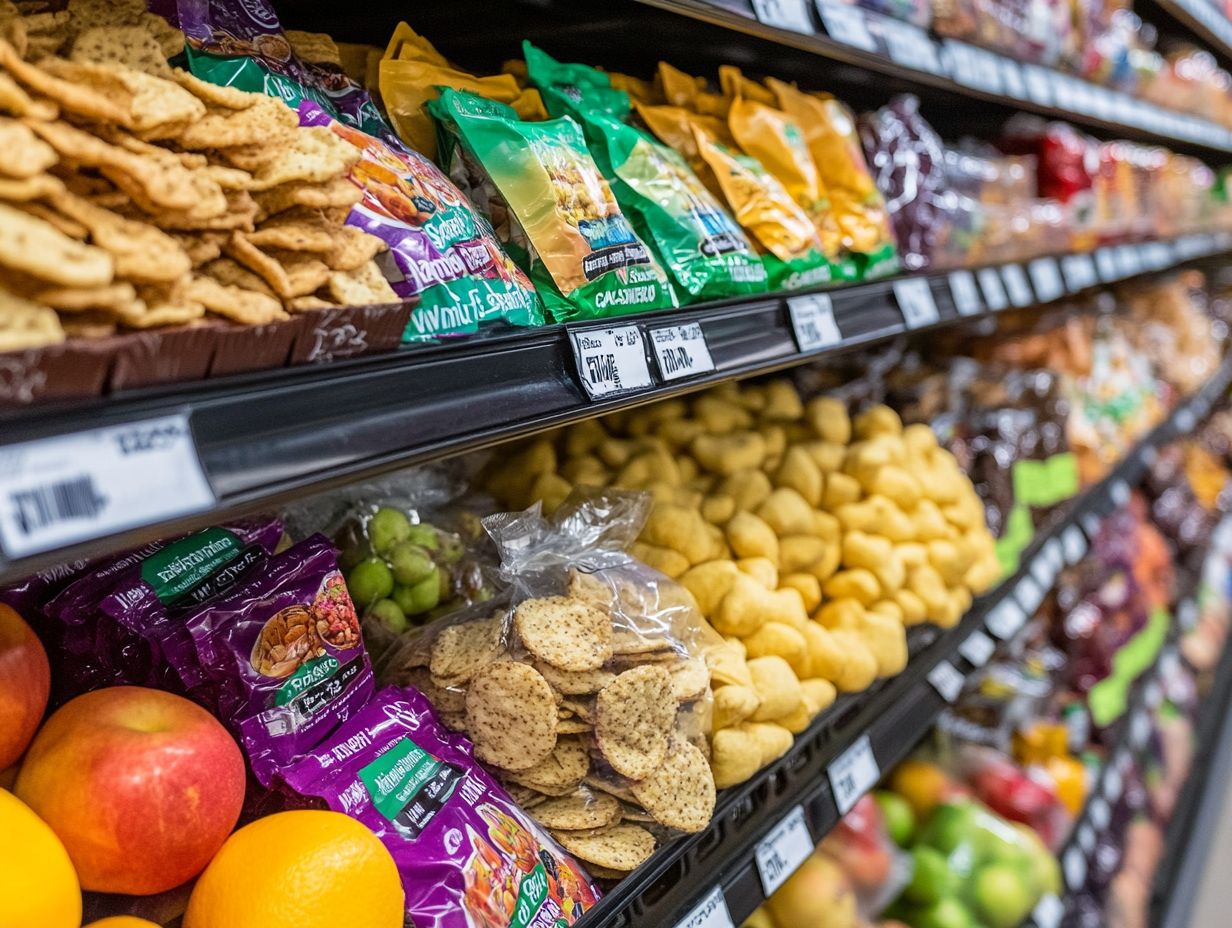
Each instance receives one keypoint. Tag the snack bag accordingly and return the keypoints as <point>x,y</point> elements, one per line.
<point>701,246</point>
<point>586,691</point>
<point>287,651</point>
<point>467,855</point>
<point>690,93</point>
<point>583,255</point>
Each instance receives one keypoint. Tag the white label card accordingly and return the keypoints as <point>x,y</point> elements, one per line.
<point>853,774</point>
<point>1119,493</point>
<point>965,293</point>
<point>946,680</point>
<point>1074,544</point>
<point>1005,619</point>
<point>846,24</point>
<point>994,289</point>
<point>1074,864</point>
<point>1053,553</point>
<point>785,14</point>
<point>1046,277</point>
<point>812,321</point>
<point>787,846</point>
<point>1100,812</point>
<point>711,912</point>
<point>1039,88</point>
<point>681,351</point>
<point>910,46</point>
<point>977,649</point>
<point>915,299</point>
<point>1030,591</point>
<point>1139,730</point>
<point>1112,783</point>
<point>1127,259</point>
<point>1091,524</point>
<point>1185,420</point>
<point>1086,838</point>
<point>1012,83</point>
<point>1016,285</point>
<point>72,488</point>
<point>1079,271</point>
<point>1048,912</point>
<point>611,361</point>
<point>1106,263</point>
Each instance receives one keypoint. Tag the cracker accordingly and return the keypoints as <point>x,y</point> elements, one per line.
<point>305,273</point>
<point>572,726</point>
<point>575,682</point>
<point>605,873</point>
<point>106,102</point>
<point>240,213</point>
<point>339,192</point>
<point>454,721</point>
<point>314,47</point>
<point>131,46</point>
<point>296,235</point>
<point>214,94</point>
<point>38,248</point>
<point>619,790</point>
<point>524,796</point>
<point>25,154</point>
<point>249,157</point>
<point>170,39</point>
<point>461,650</point>
<point>633,720</point>
<point>13,28</point>
<point>160,306</point>
<point>226,271</point>
<point>620,848</point>
<point>559,773</point>
<point>235,303</point>
<point>268,121</point>
<point>575,813</point>
<point>16,101</point>
<point>352,249</point>
<point>106,12</point>
<point>30,188</point>
<point>629,642</point>
<point>365,286</point>
<point>583,709</point>
<point>680,794</point>
<point>69,227</point>
<point>315,155</point>
<point>44,45</point>
<point>71,299</point>
<point>228,178</point>
<point>158,102</point>
<point>303,304</point>
<point>442,699</point>
<point>25,324</point>
<point>511,715</point>
<point>690,677</point>
<point>567,633</point>
<point>142,253</point>
<point>200,250</point>
<point>89,325</point>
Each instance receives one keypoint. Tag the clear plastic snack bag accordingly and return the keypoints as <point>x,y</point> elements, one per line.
<point>586,689</point>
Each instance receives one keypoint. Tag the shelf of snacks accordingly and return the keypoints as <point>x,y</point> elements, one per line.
<point>1206,19</point>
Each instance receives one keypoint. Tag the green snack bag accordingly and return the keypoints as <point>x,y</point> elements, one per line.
<point>552,207</point>
<point>700,245</point>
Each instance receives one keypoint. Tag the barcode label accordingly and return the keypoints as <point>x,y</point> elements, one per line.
<point>711,912</point>
<point>853,774</point>
<point>1030,591</point>
<point>73,488</point>
<point>1119,493</point>
<point>785,14</point>
<point>965,293</point>
<point>681,351</point>
<point>915,299</point>
<point>611,361</point>
<point>946,680</point>
<point>910,46</point>
<point>994,289</point>
<point>781,852</point>
<point>812,321</point>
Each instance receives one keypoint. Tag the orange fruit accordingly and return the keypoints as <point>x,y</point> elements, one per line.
<point>38,884</point>
<point>921,783</point>
<point>123,921</point>
<point>302,869</point>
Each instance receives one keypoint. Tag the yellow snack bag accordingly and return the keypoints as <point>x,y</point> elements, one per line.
<point>681,89</point>
<point>408,45</point>
<point>735,84</point>
<point>639,91</point>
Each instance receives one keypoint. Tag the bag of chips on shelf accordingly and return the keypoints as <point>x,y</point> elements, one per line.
<point>586,687</point>
<point>468,856</point>
<point>557,213</point>
<point>695,239</point>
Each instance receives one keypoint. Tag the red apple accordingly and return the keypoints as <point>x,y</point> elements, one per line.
<point>142,787</point>
<point>25,681</point>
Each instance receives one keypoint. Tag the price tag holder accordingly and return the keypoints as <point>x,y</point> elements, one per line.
<point>1106,264</point>
<point>946,680</point>
<point>977,649</point>
<point>1074,544</point>
<point>910,46</point>
<point>1100,812</point>
<point>1185,420</point>
<point>846,25</point>
<point>784,14</point>
<point>1016,285</point>
<point>1048,912</point>
<point>681,351</point>
<point>915,300</point>
<point>781,852</point>
<point>853,774</point>
<point>812,321</point>
<point>90,484</point>
<point>1005,619</point>
<point>1046,277</point>
<point>611,361</point>
<point>711,912</point>
<point>1079,272</point>
<point>1074,865</point>
<point>965,293</point>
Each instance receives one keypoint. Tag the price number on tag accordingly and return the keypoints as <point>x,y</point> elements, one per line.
<point>853,774</point>
<point>1106,264</point>
<point>1005,619</point>
<point>787,846</point>
<point>1016,285</point>
<point>977,649</point>
<point>1048,912</point>
<point>946,680</point>
<point>711,912</point>
<point>994,289</point>
<point>846,24</point>
<point>965,293</point>
<point>611,361</point>
<point>784,14</point>
<point>1079,271</point>
<point>915,299</point>
<point>910,46</point>
<point>681,351</point>
<point>72,488</point>
<point>812,321</point>
<point>1101,813</point>
<point>1074,543</point>
<point>1046,277</point>
<point>1074,863</point>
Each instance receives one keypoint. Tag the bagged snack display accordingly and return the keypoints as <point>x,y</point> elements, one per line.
<point>585,258</point>
<point>695,239</point>
<point>587,691</point>
<point>467,855</point>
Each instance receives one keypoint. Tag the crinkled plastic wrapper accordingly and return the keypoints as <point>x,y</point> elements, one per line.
<point>467,855</point>
<point>586,691</point>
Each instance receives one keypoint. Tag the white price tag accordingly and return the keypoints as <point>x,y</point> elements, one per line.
<point>1106,263</point>
<point>1119,493</point>
<point>1127,259</point>
<point>1005,619</point>
<point>784,14</point>
<point>711,912</point>
<point>846,24</point>
<point>1185,420</point>
<point>994,290</point>
<point>915,299</point>
<point>1039,87</point>
<point>947,681</point>
<point>1074,544</point>
<point>1139,730</point>
<point>1100,812</point>
<point>611,361</point>
<point>787,846</point>
<point>1062,91</point>
<point>1047,279</point>
<point>1113,783</point>
<point>1086,838</point>
<point>977,649</point>
<point>1048,912</point>
<point>1030,590</point>
<point>1053,554</point>
<point>681,351</point>
<point>1012,82</point>
<point>1150,454</point>
<point>910,46</point>
<point>72,488</point>
<point>1091,524</point>
<point>1016,285</point>
<point>853,774</point>
<point>1079,271</point>
<point>812,320</point>
<point>1074,864</point>
<point>965,293</point>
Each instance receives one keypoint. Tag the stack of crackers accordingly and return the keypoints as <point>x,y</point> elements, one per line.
<point>585,720</point>
<point>133,200</point>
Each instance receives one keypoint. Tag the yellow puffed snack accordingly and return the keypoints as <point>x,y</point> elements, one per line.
<point>750,536</point>
<point>800,552</point>
<point>861,549</point>
<point>779,640</point>
<point>777,685</point>
<point>761,569</point>
<point>721,415</point>
<point>826,656</point>
<point>787,512</point>
<point>927,584</point>
<point>551,490</point>
<point>726,454</point>
<point>828,528</point>
<point>949,561</point>
<point>919,439</point>
<point>584,437</point>
<point>829,419</point>
<point>839,613</point>
<point>649,466</point>
<point>735,755</point>
<point>615,452</point>
<point>827,455</point>
<point>709,583</point>
<point>796,722</point>
<point>959,603</point>
<point>886,639</point>
<point>877,420</point>
<point>983,574</point>
<point>841,490</point>
<point>858,584</point>
<point>889,608</point>
<point>510,481</point>
<point>760,918</point>
<point>776,443</point>
<point>911,554</point>
<point>680,528</point>
<point>912,607</point>
<point>718,508</point>
<point>930,521</point>
<point>800,472</point>
<point>733,704</point>
<point>679,434</point>
<point>664,560</point>
<point>808,586</point>
<point>782,400</point>
<point>728,663</point>
<point>819,693</point>
<point>773,739</point>
<point>897,485</point>
<point>860,669</point>
<point>746,607</point>
<point>749,489</point>
<point>585,470</point>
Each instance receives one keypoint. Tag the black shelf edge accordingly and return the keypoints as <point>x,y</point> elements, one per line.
<point>853,36</point>
<point>894,716</point>
<point>263,440</point>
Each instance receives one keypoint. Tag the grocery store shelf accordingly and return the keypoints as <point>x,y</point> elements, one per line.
<point>238,445</point>
<point>1205,20</point>
<point>722,863</point>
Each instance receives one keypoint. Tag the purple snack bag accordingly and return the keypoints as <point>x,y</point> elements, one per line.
<point>29,595</point>
<point>468,856</point>
<point>287,649</point>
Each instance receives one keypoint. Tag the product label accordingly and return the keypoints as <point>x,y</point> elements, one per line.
<point>409,786</point>
<point>175,570</point>
<point>306,677</point>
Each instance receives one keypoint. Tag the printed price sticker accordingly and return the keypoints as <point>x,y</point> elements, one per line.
<point>1074,864</point>
<point>915,299</point>
<point>1101,813</point>
<point>910,46</point>
<point>994,290</point>
<point>946,680</point>
<point>787,846</point>
<point>1005,619</point>
<point>1119,493</point>
<point>681,351</point>
<point>853,774</point>
<point>72,488</point>
<point>812,320</point>
<point>977,649</point>
<point>1039,87</point>
<point>965,293</point>
<point>711,912</point>
<point>1016,285</point>
<point>846,24</point>
<point>1046,277</point>
<point>1106,264</point>
<point>1048,912</point>
<point>611,361</point>
<point>785,14</point>
<point>1074,543</point>
<point>1079,271</point>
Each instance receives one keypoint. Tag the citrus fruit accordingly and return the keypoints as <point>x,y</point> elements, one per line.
<point>123,921</point>
<point>37,881</point>
<point>301,869</point>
